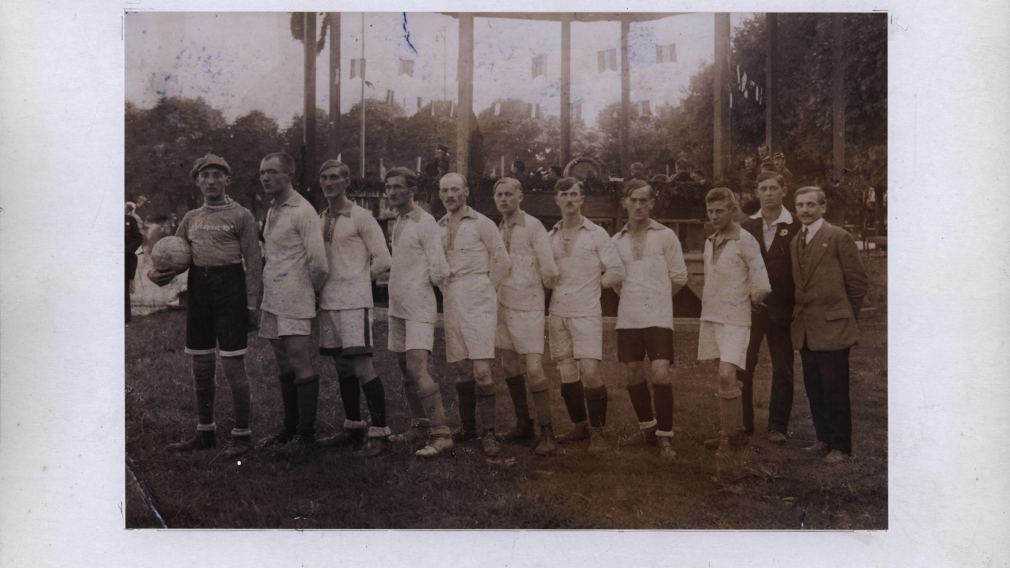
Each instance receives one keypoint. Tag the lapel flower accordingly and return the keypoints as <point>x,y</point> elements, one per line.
<point>783,232</point>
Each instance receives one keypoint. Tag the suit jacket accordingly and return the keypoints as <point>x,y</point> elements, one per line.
<point>829,292</point>
<point>779,264</point>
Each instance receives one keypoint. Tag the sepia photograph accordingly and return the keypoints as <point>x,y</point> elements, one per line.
<point>506,270</point>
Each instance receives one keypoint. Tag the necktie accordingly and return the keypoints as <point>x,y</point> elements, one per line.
<point>803,239</point>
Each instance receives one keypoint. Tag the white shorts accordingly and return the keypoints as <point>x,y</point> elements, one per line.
<point>578,337</point>
<point>273,326</point>
<point>407,335</point>
<point>345,332</point>
<point>471,317</point>
<point>723,341</point>
<point>520,331</point>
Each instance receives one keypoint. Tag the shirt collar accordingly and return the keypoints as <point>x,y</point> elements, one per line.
<point>345,211</point>
<point>414,213</point>
<point>732,233</point>
<point>654,225</point>
<point>586,224</point>
<point>519,219</point>
<point>784,217</point>
<point>812,228</point>
<point>467,212</point>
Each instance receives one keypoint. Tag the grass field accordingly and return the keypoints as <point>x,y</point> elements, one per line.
<point>629,488</point>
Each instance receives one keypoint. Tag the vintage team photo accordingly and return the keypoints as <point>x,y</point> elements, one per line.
<point>512,270</point>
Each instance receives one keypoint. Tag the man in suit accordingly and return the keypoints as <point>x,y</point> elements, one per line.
<point>774,228</point>
<point>830,286</point>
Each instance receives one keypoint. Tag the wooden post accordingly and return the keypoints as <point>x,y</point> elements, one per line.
<point>566,89</point>
<point>334,138</point>
<point>361,75</point>
<point>464,73</point>
<point>838,97</point>
<point>720,139</point>
<point>309,132</point>
<point>771,93</point>
<point>625,98</point>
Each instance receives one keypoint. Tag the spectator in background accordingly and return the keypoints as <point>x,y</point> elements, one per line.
<point>439,164</point>
<point>134,238</point>
<point>779,165</point>
<point>637,171</point>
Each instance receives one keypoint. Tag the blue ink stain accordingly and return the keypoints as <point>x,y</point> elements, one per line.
<point>406,34</point>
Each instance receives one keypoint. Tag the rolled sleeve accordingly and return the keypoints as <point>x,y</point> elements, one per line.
<point>500,262</point>
<point>375,242</point>
<point>545,258</point>
<point>757,274</point>
<point>438,266</point>
<point>315,249</point>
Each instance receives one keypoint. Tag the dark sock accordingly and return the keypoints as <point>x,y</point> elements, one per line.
<point>575,401</point>
<point>467,398</point>
<point>308,401</point>
<point>596,401</point>
<point>205,402</point>
<point>517,390</point>
<point>240,399</point>
<point>641,400</point>
<point>350,395</point>
<point>289,395</point>
<point>664,407</point>
<point>375,397</point>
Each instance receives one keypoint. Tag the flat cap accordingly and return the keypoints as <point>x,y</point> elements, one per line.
<point>209,160</point>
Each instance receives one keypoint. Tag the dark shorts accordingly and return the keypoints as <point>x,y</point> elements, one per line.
<point>634,344</point>
<point>218,315</point>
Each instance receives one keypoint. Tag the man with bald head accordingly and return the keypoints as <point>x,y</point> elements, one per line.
<point>520,335</point>
<point>478,263</point>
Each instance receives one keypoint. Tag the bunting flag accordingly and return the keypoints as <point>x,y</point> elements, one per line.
<point>390,97</point>
<point>666,53</point>
<point>407,67</point>
<point>432,108</point>
<point>539,65</point>
<point>606,60</point>
<point>497,109</point>
<point>646,109</point>
<point>534,110</point>
<point>452,110</point>
<point>743,83</point>
<point>418,103</point>
<point>357,68</point>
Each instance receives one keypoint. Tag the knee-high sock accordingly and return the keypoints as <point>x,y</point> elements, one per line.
<point>486,401</point>
<point>434,409</point>
<point>375,397</point>
<point>575,400</point>
<point>596,400</point>
<point>467,399</point>
<point>517,390</point>
<point>289,396</point>
<point>410,392</point>
<point>308,401</point>
<point>663,395</point>
<point>238,381</point>
<point>542,403</point>
<point>641,400</point>
<point>203,381</point>
<point>350,396</point>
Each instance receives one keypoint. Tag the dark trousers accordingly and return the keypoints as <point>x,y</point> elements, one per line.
<point>826,378</point>
<point>780,347</point>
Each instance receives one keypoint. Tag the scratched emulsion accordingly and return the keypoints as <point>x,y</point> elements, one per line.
<point>406,35</point>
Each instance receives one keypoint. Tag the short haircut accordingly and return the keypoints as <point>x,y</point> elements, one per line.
<point>566,183</point>
<point>287,162</point>
<point>341,167</point>
<point>635,184</point>
<point>822,198</point>
<point>717,194</point>
<point>507,181</point>
<point>407,174</point>
<point>457,174</point>
<point>771,174</point>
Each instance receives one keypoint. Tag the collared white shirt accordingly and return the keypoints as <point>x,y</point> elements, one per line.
<point>533,266</point>
<point>474,247</point>
<point>356,250</point>
<point>296,264</point>
<point>734,270</point>
<point>812,229</point>
<point>768,234</point>
<point>650,279</point>
<point>587,264</point>
<point>418,263</point>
